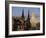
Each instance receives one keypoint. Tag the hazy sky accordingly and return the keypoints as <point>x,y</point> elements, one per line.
<point>17,11</point>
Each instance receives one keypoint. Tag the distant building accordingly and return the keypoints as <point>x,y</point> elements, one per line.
<point>34,21</point>
<point>28,24</point>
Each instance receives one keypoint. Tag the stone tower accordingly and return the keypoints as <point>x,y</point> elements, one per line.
<point>28,21</point>
<point>33,20</point>
<point>23,13</point>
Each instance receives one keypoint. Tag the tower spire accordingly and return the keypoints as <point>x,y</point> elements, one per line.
<point>28,15</point>
<point>28,21</point>
<point>23,13</point>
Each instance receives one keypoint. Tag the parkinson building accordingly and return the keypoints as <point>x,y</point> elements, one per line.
<point>33,20</point>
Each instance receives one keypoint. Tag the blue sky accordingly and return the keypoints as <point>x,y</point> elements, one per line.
<point>17,11</point>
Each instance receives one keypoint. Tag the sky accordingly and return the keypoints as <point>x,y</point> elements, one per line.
<point>17,11</point>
